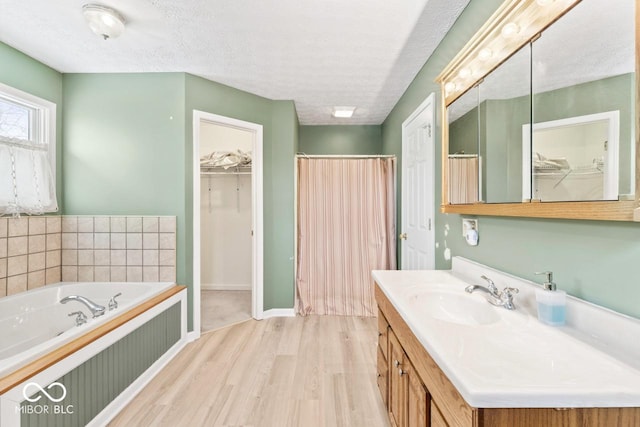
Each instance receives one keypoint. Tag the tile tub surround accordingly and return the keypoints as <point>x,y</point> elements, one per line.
<point>35,251</point>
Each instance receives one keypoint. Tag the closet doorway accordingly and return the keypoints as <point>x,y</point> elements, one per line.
<point>227,221</point>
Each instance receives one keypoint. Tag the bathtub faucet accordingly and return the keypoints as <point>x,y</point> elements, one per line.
<point>96,309</point>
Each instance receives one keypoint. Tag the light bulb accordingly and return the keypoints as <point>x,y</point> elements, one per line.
<point>464,73</point>
<point>449,87</point>
<point>485,54</point>
<point>510,29</point>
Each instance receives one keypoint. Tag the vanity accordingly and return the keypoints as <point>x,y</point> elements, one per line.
<point>447,357</point>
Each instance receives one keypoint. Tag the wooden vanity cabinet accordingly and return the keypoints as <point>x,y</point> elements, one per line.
<point>418,394</point>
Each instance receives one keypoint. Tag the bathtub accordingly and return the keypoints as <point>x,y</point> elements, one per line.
<point>40,342</point>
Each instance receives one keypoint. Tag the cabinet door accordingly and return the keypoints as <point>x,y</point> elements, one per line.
<point>383,378</point>
<point>417,398</point>
<point>397,383</point>
<point>437,419</point>
<point>383,329</point>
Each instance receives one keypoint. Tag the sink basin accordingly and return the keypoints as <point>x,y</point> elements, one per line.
<point>457,308</point>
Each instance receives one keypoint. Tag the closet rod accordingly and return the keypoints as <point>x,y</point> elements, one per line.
<point>348,156</point>
<point>225,173</point>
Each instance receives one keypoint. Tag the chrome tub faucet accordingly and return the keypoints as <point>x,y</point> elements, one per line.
<point>96,309</point>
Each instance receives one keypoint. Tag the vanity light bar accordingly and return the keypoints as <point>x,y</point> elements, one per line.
<point>514,24</point>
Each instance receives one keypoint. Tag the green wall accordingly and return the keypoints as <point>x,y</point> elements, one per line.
<point>341,140</point>
<point>29,75</point>
<point>590,259</point>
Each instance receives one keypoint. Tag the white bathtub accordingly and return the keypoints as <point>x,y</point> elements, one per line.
<point>34,323</point>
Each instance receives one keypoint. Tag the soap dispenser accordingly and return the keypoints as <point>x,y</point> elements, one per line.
<point>551,302</point>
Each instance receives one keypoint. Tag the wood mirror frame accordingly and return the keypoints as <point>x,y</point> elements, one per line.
<point>457,78</point>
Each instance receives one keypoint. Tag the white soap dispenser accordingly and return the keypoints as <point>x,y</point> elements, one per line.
<point>551,302</point>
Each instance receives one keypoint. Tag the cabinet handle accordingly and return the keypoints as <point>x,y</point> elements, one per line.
<point>401,372</point>
<point>379,334</point>
<point>396,363</point>
<point>379,375</point>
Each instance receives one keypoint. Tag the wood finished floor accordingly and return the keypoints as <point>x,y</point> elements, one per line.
<point>297,371</point>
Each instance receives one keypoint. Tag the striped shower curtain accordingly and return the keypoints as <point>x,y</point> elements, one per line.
<point>346,228</point>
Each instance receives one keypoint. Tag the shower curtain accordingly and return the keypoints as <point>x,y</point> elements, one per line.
<point>346,228</point>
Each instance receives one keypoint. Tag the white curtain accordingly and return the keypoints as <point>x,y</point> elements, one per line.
<point>346,228</point>
<point>26,182</point>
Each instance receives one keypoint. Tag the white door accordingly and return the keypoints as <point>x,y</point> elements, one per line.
<point>417,236</point>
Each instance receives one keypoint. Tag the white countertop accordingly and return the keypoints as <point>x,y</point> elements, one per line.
<point>515,361</point>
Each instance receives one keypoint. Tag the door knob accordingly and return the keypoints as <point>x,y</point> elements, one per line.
<point>403,236</point>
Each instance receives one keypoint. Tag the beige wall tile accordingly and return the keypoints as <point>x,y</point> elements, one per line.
<point>85,240</point>
<point>118,274</point>
<point>54,241</point>
<point>167,241</point>
<point>69,257</point>
<point>85,274</point>
<point>118,224</point>
<point>150,224</point>
<point>3,268</point>
<point>17,265</point>
<point>101,241</point>
<point>134,274</point>
<point>85,257</point>
<point>69,240</point>
<point>3,228</point>
<point>134,240</point>
<point>53,275</point>
<point>37,243</point>
<point>16,284</point>
<point>167,258</point>
<point>37,225</point>
<point>36,279</point>
<point>102,257</point>
<point>118,257</point>
<point>134,257</point>
<point>54,224</point>
<point>3,248</point>
<point>37,262</point>
<point>85,224</point>
<point>150,241</point>
<point>167,274</point>
<point>134,224</point>
<point>167,224</point>
<point>69,224</point>
<point>118,241</point>
<point>18,227</point>
<point>150,274</point>
<point>69,274</point>
<point>17,246</point>
<point>101,224</point>
<point>54,258</point>
<point>3,287</point>
<point>150,257</point>
<point>102,274</point>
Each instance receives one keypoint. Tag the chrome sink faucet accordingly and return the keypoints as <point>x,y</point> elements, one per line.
<point>495,297</point>
<point>96,309</point>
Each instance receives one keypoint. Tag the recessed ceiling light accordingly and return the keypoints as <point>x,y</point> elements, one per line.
<point>103,21</point>
<point>343,112</point>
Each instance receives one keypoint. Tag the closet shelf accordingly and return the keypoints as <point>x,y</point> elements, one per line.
<point>219,170</point>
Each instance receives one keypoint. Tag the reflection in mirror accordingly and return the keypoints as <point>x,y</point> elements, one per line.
<point>505,106</point>
<point>463,148</point>
<point>583,105</point>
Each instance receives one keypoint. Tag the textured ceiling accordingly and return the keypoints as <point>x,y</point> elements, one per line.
<point>319,53</point>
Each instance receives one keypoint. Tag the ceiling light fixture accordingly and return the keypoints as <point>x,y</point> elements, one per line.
<point>343,112</point>
<point>103,20</point>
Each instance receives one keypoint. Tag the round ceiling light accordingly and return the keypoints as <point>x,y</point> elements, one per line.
<point>103,21</point>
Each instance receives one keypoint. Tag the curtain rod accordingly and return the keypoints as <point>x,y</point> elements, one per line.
<point>346,156</point>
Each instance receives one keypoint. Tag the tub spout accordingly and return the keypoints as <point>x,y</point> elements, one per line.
<point>96,309</point>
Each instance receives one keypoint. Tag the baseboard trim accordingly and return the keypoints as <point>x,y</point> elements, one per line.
<point>279,312</point>
<point>223,287</point>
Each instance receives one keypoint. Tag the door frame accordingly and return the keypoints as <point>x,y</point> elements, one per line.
<point>429,100</point>
<point>257,209</point>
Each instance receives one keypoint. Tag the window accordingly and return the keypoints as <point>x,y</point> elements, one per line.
<point>27,153</point>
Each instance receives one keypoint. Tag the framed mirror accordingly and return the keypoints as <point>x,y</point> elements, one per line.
<point>463,159</point>
<point>573,153</point>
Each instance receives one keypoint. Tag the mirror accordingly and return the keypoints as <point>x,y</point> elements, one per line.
<point>505,106</point>
<point>556,119</point>
<point>583,105</point>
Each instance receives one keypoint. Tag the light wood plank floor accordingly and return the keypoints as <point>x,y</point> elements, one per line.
<point>297,371</point>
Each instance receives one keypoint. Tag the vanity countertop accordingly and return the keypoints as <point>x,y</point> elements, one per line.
<point>498,358</point>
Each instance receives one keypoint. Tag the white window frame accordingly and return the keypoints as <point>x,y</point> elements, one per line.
<point>43,124</point>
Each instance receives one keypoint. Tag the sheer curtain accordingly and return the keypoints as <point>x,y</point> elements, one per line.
<point>346,228</point>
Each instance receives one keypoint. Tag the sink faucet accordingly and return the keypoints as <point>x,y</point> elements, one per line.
<point>96,309</point>
<point>495,297</point>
